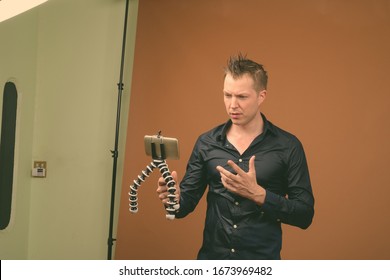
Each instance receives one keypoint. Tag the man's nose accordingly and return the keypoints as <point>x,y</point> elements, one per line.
<point>234,102</point>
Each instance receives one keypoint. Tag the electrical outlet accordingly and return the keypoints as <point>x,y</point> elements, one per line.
<point>39,169</point>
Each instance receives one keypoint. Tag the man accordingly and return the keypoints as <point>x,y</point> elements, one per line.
<point>257,175</point>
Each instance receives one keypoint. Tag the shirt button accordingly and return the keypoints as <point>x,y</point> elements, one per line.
<point>235,226</point>
<point>240,160</point>
<point>236,203</point>
<point>278,220</point>
<point>232,250</point>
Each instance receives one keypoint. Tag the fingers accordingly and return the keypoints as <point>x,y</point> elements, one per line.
<point>224,172</point>
<point>174,176</point>
<point>229,175</point>
<point>236,168</point>
<point>226,181</point>
<point>161,185</point>
<point>241,178</point>
<point>163,196</point>
<point>162,188</point>
<point>161,182</point>
<point>239,170</point>
<point>252,164</point>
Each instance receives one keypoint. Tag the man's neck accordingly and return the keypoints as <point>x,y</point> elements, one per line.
<point>241,136</point>
<point>251,130</point>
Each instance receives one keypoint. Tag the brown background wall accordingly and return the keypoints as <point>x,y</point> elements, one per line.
<point>328,64</point>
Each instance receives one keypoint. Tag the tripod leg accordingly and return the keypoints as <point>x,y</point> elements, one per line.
<point>173,206</point>
<point>133,199</point>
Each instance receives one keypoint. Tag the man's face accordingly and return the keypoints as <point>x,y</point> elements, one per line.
<point>242,101</point>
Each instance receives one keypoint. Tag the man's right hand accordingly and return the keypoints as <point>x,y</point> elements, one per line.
<point>162,189</point>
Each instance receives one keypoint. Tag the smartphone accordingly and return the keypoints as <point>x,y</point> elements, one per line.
<point>158,147</point>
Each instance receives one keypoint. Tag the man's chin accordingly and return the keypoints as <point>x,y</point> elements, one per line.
<point>236,121</point>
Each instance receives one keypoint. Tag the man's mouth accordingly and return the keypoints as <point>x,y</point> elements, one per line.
<point>235,115</point>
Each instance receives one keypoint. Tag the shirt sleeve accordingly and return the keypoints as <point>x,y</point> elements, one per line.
<point>297,208</point>
<point>194,183</point>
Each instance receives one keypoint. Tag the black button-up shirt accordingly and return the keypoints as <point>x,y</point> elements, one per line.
<point>238,228</point>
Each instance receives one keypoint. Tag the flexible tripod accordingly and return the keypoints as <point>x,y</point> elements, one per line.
<point>160,163</point>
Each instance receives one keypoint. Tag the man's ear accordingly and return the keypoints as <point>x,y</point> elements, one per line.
<point>262,96</point>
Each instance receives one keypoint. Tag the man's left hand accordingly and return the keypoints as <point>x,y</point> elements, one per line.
<point>243,183</point>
